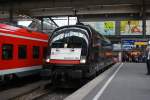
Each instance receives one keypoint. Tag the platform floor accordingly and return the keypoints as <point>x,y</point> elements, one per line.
<point>129,83</point>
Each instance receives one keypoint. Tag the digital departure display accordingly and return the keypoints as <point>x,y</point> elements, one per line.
<point>128,44</point>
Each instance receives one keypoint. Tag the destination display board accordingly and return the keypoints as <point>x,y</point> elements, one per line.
<point>131,44</point>
<point>127,44</point>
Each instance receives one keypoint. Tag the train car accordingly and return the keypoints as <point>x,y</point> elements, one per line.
<point>21,51</point>
<point>77,51</point>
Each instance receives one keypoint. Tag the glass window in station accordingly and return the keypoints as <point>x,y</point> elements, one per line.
<point>63,21</point>
<point>25,23</point>
<point>22,51</point>
<point>46,25</point>
<point>72,20</point>
<point>36,50</point>
<point>7,51</point>
<point>147,27</point>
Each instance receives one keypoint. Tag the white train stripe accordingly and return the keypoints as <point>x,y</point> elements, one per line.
<point>22,37</point>
<point>17,70</point>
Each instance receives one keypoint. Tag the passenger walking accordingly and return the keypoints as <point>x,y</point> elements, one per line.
<point>148,62</point>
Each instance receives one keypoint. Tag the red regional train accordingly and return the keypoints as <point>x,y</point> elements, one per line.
<point>21,51</point>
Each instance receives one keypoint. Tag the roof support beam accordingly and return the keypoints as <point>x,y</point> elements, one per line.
<point>87,10</point>
<point>53,21</point>
<point>143,11</point>
<point>11,12</point>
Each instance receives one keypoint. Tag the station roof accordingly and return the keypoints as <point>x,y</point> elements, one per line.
<point>68,7</point>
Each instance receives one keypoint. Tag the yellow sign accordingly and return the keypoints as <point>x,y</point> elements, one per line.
<point>109,25</point>
<point>140,43</point>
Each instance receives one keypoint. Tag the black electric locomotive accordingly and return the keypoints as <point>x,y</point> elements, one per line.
<point>77,51</point>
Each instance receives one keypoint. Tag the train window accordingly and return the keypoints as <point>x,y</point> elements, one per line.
<point>22,51</point>
<point>36,52</point>
<point>58,45</point>
<point>44,52</point>
<point>67,33</point>
<point>7,51</point>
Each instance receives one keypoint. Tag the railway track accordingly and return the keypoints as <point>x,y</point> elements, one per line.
<point>45,93</point>
<point>42,90</point>
<point>57,94</point>
<point>50,92</point>
<point>18,82</point>
<point>33,93</point>
<point>12,92</point>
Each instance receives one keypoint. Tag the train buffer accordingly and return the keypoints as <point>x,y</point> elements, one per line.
<point>124,81</point>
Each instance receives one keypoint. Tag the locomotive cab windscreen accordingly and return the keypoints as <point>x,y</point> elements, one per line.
<point>68,45</point>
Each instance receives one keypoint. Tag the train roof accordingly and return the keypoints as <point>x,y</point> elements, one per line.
<point>10,29</point>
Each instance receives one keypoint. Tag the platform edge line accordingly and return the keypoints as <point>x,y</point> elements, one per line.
<point>98,95</point>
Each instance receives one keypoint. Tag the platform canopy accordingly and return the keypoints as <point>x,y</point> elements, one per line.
<point>69,7</point>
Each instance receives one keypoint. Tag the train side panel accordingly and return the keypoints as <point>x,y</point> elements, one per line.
<point>15,39</point>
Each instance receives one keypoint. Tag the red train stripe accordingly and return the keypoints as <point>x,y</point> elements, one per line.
<point>22,32</point>
<point>65,61</point>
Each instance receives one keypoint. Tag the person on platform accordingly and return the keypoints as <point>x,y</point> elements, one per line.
<point>148,61</point>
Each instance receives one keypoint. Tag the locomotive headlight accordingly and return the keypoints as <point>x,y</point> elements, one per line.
<point>47,60</point>
<point>65,45</point>
<point>83,60</point>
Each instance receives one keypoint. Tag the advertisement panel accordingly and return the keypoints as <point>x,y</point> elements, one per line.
<point>147,27</point>
<point>103,27</point>
<point>131,27</point>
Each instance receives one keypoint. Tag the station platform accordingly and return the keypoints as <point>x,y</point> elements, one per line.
<point>124,81</point>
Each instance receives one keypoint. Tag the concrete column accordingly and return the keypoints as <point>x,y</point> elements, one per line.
<point>117,28</point>
<point>68,20</point>
<point>41,24</point>
<point>144,27</point>
<point>11,14</point>
<point>143,10</point>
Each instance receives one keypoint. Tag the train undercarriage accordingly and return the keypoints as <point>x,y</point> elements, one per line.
<point>68,74</point>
